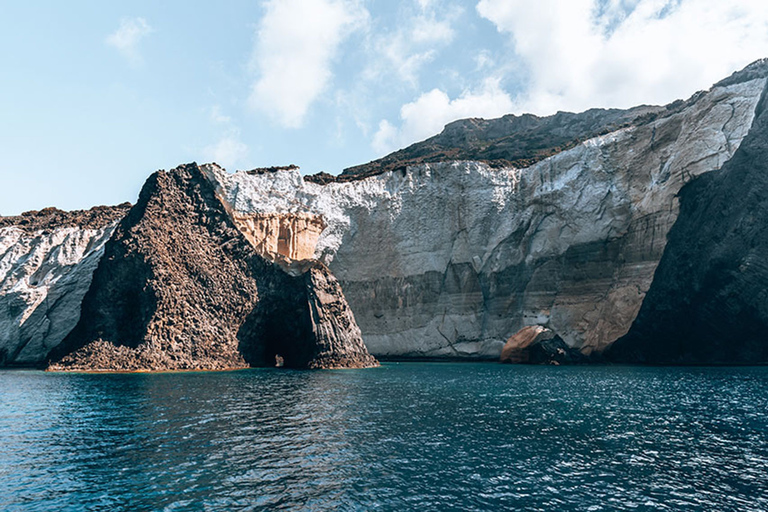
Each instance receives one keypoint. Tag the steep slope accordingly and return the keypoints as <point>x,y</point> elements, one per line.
<point>709,299</point>
<point>450,259</point>
<point>47,259</point>
<point>179,287</point>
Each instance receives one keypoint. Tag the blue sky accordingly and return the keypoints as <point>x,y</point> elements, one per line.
<point>95,96</point>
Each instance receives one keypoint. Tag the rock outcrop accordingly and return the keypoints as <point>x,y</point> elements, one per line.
<point>180,288</point>
<point>448,259</point>
<point>509,141</point>
<point>708,303</point>
<point>47,260</point>
<point>535,344</point>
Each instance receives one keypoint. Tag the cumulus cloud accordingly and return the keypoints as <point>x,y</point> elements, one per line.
<point>127,37</point>
<point>296,43</point>
<point>586,53</point>
<point>404,52</point>
<point>431,111</point>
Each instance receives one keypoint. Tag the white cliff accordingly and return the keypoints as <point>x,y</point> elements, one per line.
<point>44,275</point>
<point>450,259</point>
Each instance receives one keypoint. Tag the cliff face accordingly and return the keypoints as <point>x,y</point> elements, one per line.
<point>450,259</point>
<point>291,236</point>
<point>708,302</point>
<point>179,287</point>
<point>557,222</point>
<point>47,260</point>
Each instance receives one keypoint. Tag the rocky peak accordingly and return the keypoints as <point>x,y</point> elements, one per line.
<point>181,288</point>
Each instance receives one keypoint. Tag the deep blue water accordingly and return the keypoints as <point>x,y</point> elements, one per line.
<point>410,436</point>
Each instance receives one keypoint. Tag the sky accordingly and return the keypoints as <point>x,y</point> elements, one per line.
<point>95,96</point>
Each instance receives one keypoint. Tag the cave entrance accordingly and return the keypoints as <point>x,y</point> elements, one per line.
<point>278,333</point>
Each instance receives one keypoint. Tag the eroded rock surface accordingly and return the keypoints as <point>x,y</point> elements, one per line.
<point>180,288</point>
<point>292,236</point>
<point>535,344</point>
<point>47,260</point>
<point>447,259</point>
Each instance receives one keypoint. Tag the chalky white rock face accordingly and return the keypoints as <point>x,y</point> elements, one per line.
<point>43,279</point>
<point>451,259</point>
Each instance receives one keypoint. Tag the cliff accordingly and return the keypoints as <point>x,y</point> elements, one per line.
<point>181,288</point>
<point>444,249</point>
<point>707,303</point>
<point>47,260</point>
<point>449,259</point>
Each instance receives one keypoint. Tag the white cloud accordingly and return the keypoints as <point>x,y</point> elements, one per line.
<point>587,53</point>
<point>218,117</point>
<point>406,50</point>
<point>297,41</point>
<point>431,111</point>
<point>127,37</point>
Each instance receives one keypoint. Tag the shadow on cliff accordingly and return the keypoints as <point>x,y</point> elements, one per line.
<point>708,303</point>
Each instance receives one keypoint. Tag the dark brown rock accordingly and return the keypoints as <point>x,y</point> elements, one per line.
<point>509,141</point>
<point>180,288</point>
<point>52,218</point>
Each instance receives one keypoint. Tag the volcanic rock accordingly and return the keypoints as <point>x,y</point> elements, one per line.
<point>181,288</point>
<point>446,259</point>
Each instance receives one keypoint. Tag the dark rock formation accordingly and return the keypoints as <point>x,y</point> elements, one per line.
<point>509,141</point>
<point>316,331</point>
<point>180,288</point>
<point>708,303</point>
<point>535,344</point>
<point>52,218</point>
<point>274,168</point>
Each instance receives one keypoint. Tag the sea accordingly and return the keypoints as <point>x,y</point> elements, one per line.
<point>405,436</point>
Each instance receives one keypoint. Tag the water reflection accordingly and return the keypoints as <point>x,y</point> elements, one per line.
<point>405,436</point>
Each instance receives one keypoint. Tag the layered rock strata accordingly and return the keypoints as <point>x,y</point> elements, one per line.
<point>47,260</point>
<point>448,259</point>
<point>180,288</point>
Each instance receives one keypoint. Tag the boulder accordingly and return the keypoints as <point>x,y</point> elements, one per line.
<point>536,344</point>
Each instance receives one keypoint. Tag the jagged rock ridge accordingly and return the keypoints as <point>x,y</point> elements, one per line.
<point>180,288</point>
<point>49,219</point>
<point>508,141</point>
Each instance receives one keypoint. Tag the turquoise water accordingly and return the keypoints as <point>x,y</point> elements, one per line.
<point>408,436</point>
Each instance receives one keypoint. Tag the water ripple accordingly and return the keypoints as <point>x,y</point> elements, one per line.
<point>402,437</point>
